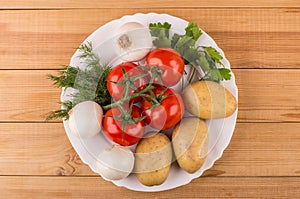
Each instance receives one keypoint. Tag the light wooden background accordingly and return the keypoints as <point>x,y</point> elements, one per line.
<point>260,38</point>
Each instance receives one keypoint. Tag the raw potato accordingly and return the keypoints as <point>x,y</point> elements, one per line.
<point>208,100</point>
<point>153,159</point>
<point>190,143</point>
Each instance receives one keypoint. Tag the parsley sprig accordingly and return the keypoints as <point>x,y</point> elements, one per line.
<point>207,58</point>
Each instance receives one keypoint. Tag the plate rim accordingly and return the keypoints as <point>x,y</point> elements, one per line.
<point>219,152</point>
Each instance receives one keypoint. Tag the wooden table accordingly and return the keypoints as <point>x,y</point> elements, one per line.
<point>260,38</point>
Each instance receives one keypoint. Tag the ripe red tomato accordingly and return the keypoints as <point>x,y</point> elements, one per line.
<point>116,75</point>
<point>169,62</point>
<point>112,127</point>
<point>166,114</point>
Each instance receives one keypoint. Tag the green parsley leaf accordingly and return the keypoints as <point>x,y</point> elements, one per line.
<point>205,57</point>
<point>156,29</point>
<point>218,74</point>
<point>175,39</point>
<point>183,45</point>
<point>192,30</point>
<point>214,75</point>
<point>162,32</point>
<point>203,63</point>
<point>162,42</point>
<point>191,55</point>
<point>225,73</point>
<point>214,54</point>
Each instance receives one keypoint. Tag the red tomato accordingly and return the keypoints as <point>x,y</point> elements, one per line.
<point>116,75</point>
<point>166,114</point>
<point>113,127</point>
<point>169,62</point>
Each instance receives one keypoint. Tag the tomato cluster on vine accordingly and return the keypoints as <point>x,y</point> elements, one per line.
<point>142,96</point>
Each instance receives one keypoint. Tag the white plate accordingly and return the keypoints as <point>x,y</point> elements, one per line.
<point>220,130</point>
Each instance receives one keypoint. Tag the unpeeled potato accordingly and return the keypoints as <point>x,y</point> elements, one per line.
<point>190,143</point>
<point>208,100</point>
<point>153,156</point>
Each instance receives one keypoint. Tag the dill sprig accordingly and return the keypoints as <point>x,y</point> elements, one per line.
<point>62,113</point>
<point>65,78</point>
<point>90,83</point>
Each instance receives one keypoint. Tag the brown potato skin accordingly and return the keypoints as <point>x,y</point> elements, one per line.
<point>153,157</point>
<point>190,143</point>
<point>208,100</point>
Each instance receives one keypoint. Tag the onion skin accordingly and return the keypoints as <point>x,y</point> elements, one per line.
<point>133,41</point>
<point>115,163</point>
<point>86,119</point>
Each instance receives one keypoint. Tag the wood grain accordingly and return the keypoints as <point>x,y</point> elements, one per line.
<point>19,4</point>
<point>256,149</point>
<point>29,94</point>
<point>250,38</point>
<point>86,187</point>
<point>264,95</point>
<point>266,149</point>
<point>268,95</point>
<point>261,39</point>
<point>38,149</point>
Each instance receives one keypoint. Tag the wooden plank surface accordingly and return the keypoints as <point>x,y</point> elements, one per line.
<point>251,38</point>
<point>256,149</point>
<point>261,39</point>
<point>264,95</point>
<point>42,4</point>
<point>38,149</point>
<point>89,187</point>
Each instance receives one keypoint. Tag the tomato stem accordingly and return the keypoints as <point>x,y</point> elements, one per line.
<point>127,98</point>
<point>128,83</point>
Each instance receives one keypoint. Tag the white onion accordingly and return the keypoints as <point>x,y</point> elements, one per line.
<point>133,41</point>
<point>85,119</point>
<point>115,163</point>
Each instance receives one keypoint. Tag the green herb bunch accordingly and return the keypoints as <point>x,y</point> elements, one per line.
<point>89,83</point>
<point>207,58</point>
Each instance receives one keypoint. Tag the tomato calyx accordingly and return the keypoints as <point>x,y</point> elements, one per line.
<point>166,112</point>
<point>169,61</point>
<point>141,93</point>
<point>128,82</point>
<point>126,79</point>
<point>124,125</point>
<point>155,73</point>
<point>156,100</point>
<point>126,117</point>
